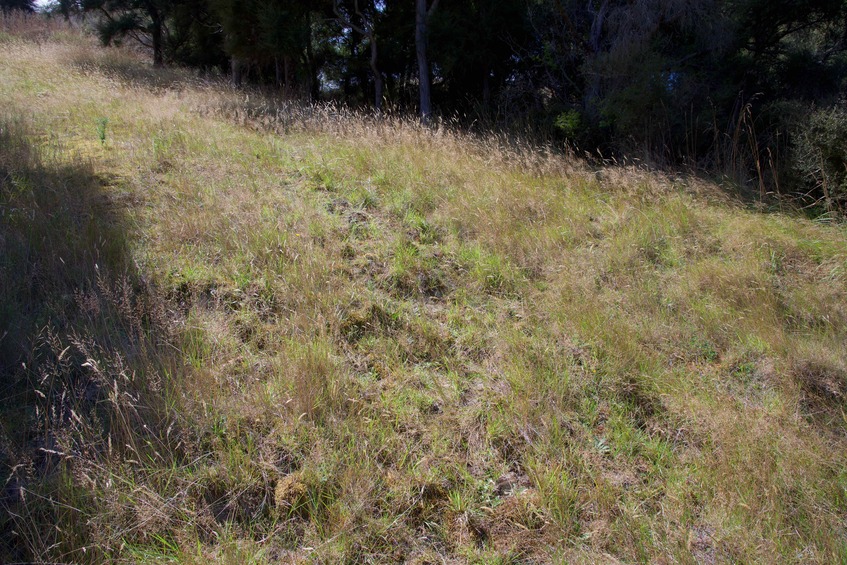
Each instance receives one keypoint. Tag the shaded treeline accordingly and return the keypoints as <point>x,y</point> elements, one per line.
<point>750,89</point>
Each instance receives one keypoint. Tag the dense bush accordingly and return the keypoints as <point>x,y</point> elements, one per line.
<point>819,155</point>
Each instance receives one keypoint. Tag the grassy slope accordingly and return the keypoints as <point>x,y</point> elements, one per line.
<point>349,340</point>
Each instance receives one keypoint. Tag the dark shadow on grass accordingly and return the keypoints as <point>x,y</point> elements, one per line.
<point>81,344</point>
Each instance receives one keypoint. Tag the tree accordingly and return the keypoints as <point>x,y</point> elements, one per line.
<point>239,27</point>
<point>283,34</point>
<point>68,7</point>
<point>364,22</point>
<point>22,5</point>
<point>476,44</point>
<point>193,36</point>
<point>143,20</point>
<point>423,12</point>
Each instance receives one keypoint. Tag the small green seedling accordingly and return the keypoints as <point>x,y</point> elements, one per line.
<point>101,129</point>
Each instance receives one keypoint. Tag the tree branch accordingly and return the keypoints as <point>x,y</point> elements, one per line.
<point>346,20</point>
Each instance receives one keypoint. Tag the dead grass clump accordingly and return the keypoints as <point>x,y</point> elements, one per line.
<point>822,376</point>
<point>368,320</point>
<point>290,494</point>
<point>517,524</point>
<point>417,272</point>
<point>465,530</point>
<point>314,380</point>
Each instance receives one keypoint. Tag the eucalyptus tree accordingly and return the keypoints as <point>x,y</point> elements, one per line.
<point>424,10</point>
<point>361,17</point>
<point>142,20</point>
<point>283,37</point>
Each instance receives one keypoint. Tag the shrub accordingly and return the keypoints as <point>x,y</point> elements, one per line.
<point>819,155</point>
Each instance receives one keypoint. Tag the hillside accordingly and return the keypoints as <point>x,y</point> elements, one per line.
<point>239,330</point>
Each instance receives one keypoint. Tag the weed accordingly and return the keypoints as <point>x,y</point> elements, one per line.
<point>102,122</point>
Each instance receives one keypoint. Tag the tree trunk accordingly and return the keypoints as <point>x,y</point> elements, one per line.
<point>346,82</point>
<point>367,31</point>
<point>486,90</point>
<point>379,85</point>
<point>156,32</point>
<point>277,72</point>
<point>237,69</point>
<point>289,80</point>
<point>424,86</point>
<point>591,94</point>
<point>314,85</point>
<point>65,9</point>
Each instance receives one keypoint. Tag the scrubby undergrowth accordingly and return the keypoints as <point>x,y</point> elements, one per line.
<point>239,331</point>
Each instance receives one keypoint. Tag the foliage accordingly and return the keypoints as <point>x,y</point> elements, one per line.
<point>819,156</point>
<point>7,6</point>
<point>570,123</point>
<point>143,20</point>
<point>102,123</point>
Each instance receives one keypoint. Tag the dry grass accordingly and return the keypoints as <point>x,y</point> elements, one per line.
<point>247,330</point>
